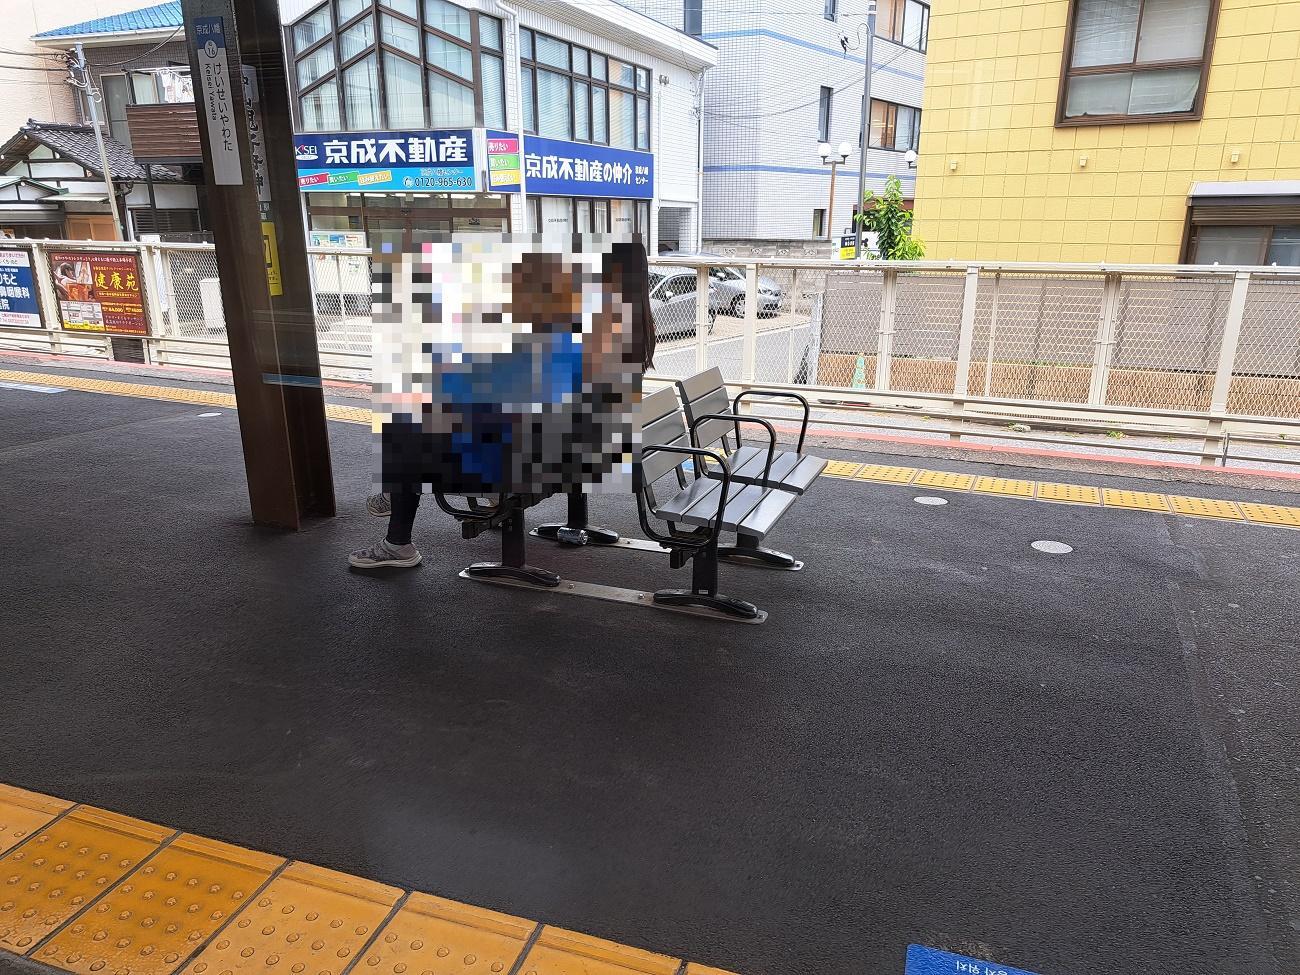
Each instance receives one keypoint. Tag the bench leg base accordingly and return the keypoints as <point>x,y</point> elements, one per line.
<point>721,604</point>
<point>521,573</point>
<point>568,535</point>
<point>767,558</point>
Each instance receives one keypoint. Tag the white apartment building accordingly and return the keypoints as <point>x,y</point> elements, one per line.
<point>427,115</point>
<point>784,84</point>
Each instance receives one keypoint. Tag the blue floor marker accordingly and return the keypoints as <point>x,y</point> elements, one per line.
<point>931,961</point>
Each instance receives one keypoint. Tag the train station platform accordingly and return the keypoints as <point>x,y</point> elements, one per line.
<point>1064,758</point>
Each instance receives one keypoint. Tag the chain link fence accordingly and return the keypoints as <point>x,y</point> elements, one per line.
<point>1163,340</point>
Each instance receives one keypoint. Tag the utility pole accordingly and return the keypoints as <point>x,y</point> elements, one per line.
<point>92,94</point>
<point>866,124</point>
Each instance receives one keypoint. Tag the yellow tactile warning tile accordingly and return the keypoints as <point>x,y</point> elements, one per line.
<point>433,936</point>
<point>162,911</point>
<point>170,394</point>
<point>1008,486</point>
<point>306,920</point>
<point>841,468</point>
<point>1068,493</point>
<point>51,877</point>
<point>1271,514</point>
<point>1141,500</point>
<point>560,952</point>
<point>1205,507</point>
<point>22,813</point>
<point>886,473</point>
<point>944,480</point>
<point>694,969</point>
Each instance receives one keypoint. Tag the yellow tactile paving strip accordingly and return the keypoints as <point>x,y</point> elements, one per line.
<point>21,813</point>
<point>1242,512</point>
<point>89,891</point>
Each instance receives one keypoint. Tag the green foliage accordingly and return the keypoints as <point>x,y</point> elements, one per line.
<point>886,216</point>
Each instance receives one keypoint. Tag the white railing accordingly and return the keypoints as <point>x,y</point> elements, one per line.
<point>1190,353</point>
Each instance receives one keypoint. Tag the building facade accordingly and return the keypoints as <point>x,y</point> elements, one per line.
<point>1143,131</point>
<point>790,77</point>
<point>429,116</point>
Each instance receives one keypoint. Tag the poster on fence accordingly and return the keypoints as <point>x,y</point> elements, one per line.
<point>18,303</point>
<point>99,291</point>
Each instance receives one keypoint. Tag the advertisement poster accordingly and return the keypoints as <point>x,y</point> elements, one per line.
<point>504,172</point>
<point>18,303</point>
<point>99,291</point>
<point>556,168</point>
<point>426,161</point>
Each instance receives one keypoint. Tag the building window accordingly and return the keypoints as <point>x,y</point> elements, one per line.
<point>896,127</point>
<point>824,115</point>
<point>572,93</point>
<point>905,22</point>
<point>397,64</point>
<point>693,17</point>
<point>1143,59</point>
<point>819,224</point>
<point>831,9</point>
<point>1246,244</point>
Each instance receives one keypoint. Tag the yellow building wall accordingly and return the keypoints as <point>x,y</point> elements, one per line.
<point>1019,191</point>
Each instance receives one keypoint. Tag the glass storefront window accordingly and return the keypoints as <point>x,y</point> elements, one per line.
<point>314,65</point>
<point>494,91</point>
<point>553,106</point>
<point>357,38</point>
<point>622,216</point>
<point>450,57</point>
<point>451,105</point>
<point>320,108</point>
<point>311,29</point>
<point>447,17</point>
<point>403,99</point>
<point>622,119</point>
<point>361,93</point>
<point>400,34</point>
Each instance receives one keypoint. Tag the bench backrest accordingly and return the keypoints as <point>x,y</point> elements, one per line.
<point>706,393</point>
<point>662,425</point>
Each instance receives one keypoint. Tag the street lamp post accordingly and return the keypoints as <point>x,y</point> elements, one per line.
<point>834,159</point>
<point>866,123</point>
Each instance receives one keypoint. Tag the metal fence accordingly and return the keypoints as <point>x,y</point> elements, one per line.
<point>1189,351</point>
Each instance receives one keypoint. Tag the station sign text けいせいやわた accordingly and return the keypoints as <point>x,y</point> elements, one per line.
<point>428,160</point>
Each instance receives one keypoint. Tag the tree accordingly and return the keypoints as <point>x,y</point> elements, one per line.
<point>892,223</point>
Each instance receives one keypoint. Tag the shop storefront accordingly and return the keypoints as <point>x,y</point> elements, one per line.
<point>578,188</point>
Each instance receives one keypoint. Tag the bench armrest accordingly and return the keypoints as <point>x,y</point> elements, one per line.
<point>781,394</point>
<point>737,419</point>
<point>679,540</point>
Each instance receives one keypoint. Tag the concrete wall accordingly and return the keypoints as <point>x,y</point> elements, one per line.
<point>1018,191</point>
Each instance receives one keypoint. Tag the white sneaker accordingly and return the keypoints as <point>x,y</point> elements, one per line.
<point>379,505</point>
<point>383,555</point>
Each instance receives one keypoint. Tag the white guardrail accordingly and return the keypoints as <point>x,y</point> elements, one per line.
<point>1209,355</point>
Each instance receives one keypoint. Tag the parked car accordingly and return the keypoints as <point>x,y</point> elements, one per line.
<point>673,302</point>
<point>728,293</point>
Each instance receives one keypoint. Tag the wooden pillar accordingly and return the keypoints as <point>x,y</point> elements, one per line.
<point>256,222</point>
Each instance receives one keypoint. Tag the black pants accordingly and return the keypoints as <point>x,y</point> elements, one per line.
<point>405,503</point>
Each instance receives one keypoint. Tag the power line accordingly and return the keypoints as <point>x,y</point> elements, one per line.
<point>163,43</point>
<point>32,67</point>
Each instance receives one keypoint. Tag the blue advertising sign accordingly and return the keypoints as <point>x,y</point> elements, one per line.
<point>556,168</point>
<point>931,961</point>
<point>17,291</point>
<point>422,161</point>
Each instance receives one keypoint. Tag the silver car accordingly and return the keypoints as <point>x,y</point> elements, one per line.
<point>673,303</point>
<point>727,296</point>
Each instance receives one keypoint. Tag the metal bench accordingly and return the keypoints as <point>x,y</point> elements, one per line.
<point>704,397</point>
<point>698,509</point>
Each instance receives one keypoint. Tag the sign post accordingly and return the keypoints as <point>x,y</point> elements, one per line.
<point>242,98</point>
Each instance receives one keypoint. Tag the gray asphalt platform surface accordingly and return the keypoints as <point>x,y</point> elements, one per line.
<point>1072,764</point>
